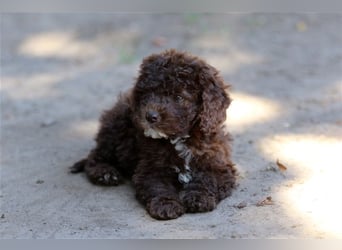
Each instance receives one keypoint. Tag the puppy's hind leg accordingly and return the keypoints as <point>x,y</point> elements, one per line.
<point>100,174</point>
<point>115,153</point>
<point>104,174</point>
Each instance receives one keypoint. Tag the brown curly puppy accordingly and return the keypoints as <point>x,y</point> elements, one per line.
<point>166,134</point>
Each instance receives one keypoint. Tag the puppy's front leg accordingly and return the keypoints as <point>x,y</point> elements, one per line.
<point>200,194</point>
<point>158,192</point>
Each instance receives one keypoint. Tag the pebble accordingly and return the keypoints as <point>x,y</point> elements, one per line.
<point>48,123</point>
<point>241,205</point>
<point>39,182</point>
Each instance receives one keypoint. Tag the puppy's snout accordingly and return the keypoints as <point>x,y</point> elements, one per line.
<point>152,116</point>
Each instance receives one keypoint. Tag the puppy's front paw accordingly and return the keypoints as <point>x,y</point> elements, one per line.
<point>196,201</point>
<point>164,208</point>
<point>104,174</point>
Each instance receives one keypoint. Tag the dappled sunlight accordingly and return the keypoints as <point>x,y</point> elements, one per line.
<point>59,44</point>
<point>212,41</point>
<point>232,61</point>
<point>31,87</point>
<point>338,86</point>
<point>316,163</point>
<point>246,110</point>
<point>334,93</point>
<point>86,128</point>
<point>229,61</point>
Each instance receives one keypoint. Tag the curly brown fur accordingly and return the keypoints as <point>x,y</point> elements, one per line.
<point>166,134</point>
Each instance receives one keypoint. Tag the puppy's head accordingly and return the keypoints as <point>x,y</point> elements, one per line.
<point>177,93</point>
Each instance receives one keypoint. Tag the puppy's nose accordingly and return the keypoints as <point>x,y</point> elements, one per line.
<point>152,116</point>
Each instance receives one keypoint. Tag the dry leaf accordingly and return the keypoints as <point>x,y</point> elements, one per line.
<point>265,202</point>
<point>281,166</point>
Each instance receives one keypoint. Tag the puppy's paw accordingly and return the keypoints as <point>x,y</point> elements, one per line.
<point>164,208</point>
<point>104,174</point>
<point>196,201</point>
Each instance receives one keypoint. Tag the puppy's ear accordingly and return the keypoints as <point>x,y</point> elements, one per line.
<point>215,101</point>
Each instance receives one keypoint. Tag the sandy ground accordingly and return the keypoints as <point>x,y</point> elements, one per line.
<point>58,72</point>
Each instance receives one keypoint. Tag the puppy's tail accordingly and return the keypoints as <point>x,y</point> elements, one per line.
<point>78,166</point>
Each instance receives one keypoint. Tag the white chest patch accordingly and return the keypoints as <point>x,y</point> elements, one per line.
<point>185,153</point>
<point>155,134</point>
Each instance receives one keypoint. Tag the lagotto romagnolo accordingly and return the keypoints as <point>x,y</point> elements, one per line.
<point>166,135</point>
